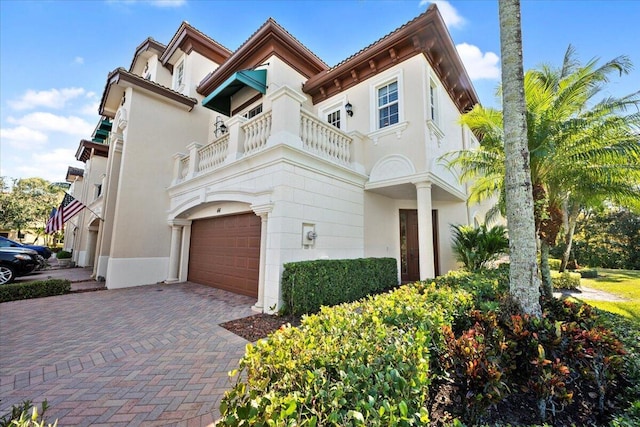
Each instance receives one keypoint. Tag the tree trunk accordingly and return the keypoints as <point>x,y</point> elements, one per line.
<point>545,270</point>
<point>524,281</point>
<point>572,220</point>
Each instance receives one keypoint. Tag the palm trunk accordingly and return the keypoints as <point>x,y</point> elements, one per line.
<point>568,238</point>
<point>524,281</point>
<point>545,270</point>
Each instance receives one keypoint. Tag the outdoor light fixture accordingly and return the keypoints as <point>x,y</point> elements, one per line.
<point>221,128</point>
<point>349,109</point>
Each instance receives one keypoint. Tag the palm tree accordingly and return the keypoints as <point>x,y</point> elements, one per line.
<point>476,247</point>
<point>581,152</point>
<point>523,274</point>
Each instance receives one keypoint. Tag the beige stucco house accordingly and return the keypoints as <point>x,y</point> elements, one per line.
<point>221,166</point>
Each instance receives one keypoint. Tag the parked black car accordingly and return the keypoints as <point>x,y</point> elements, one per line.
<point>43,251</point>
<point>15,262</point>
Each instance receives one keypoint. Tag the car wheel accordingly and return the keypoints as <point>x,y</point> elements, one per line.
<point>7,275</point>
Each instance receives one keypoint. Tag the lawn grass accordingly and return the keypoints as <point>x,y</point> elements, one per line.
<point>624,283</point>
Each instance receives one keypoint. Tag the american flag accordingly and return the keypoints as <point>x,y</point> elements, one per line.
<point>67,209</point>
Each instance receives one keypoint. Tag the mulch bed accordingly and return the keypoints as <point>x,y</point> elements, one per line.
<point>258,326</point>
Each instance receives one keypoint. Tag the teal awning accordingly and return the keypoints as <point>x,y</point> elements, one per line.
<point>220,99</point>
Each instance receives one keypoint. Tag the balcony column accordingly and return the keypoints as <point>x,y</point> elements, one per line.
<point>425,230</point>
<point>263,212</point>
<point>193,159</point>
<point>236,138</point>
<point>177,226</point>
<point>285,117</point>
<point>178,172</point>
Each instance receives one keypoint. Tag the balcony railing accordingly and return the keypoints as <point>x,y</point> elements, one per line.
<point>324,140</point>
<point>213,155</point>
<point>247,137</point>
<point>256,133</point>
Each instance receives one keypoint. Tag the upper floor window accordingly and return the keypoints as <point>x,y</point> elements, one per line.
<point>253,112</point>
<point>433,101</point>
<point>333,118</point>
<point>180,75</point>
<point>388,110</point>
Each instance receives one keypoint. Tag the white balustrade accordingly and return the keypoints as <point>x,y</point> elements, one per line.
<point>211,156</point>
<point>324,139</point>
<point>256,133</point>
<point>184,167</point>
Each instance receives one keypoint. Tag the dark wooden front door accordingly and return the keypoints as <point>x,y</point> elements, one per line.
<point>409,248</point>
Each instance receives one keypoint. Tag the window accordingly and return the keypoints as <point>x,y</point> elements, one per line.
<point>388,113</point>
<point>253,112</point>
<point>180,75</point>
<point>433,101</point>
<point>333,118</point>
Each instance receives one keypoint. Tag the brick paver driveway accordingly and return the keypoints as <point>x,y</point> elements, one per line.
<point>151,355</point>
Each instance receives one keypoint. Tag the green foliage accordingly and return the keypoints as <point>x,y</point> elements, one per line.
<point>62,254</point>
<point>36,289</point>
<point>566,280</point>
<point>19,417</point>
<point>362,363</point>
<point>308,285</point>
<point>554,263</point>
<point>588,273</point>
<point>476,247</point>
<point>609,239</point>
<point>488,286</point>
<point>27,203</point>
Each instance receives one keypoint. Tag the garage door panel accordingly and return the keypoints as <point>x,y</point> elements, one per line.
<point>225,253</point>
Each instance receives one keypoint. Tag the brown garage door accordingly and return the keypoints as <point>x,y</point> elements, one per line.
<point>225,253</point>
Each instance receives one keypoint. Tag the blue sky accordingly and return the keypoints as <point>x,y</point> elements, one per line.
<point>55,55</point>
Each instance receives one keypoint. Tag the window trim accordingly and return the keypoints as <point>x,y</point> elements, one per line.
<point>334,105</point>
<point>180,79</point>
<point>374,87</point>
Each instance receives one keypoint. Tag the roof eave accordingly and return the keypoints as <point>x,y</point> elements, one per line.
<point>427,35</point>
<point>122,78</point>
<point>270,39</point>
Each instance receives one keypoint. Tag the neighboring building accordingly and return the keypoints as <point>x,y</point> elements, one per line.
<point>222,166</point>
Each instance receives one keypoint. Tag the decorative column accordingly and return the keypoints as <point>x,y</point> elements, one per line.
<point>263,212</point>
<point>175,252</point>
<point>425,230</point>
<point>285,117</point>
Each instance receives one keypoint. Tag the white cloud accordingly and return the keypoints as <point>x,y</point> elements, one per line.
<point>479,65</point>
<point>23,137</point>
<point>78,60</point>
<point>449,13</point>
<point>90,109</point>
<point>51,165</point>
<point>168,3</point>
<point>52,98</point>
<point>154,3</point>
<point>47,122</point>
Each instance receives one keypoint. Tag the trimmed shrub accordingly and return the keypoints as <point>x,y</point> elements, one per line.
<point>37,289</point>
<point>566,280</point>
<point>588,273</point>
<point>63,254</point>
<point>554,264</point>
<point>308,285</point>
<point>362,363</point>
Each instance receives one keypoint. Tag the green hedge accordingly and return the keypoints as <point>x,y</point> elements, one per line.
<point>362,363</point>
<point>37,289</point>
<point>308,285</point>
<point>566,280</point>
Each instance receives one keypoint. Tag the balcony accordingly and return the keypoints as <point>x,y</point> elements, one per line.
<point>271,128</point>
